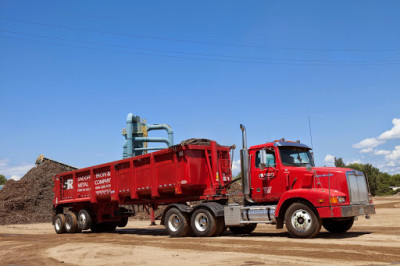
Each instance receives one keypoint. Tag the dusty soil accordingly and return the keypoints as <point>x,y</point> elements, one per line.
<point>369,242</point>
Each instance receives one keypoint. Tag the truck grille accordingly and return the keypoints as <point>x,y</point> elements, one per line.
<point>358,188</point>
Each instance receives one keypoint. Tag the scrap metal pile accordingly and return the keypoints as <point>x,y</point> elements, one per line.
<point>29,200</point>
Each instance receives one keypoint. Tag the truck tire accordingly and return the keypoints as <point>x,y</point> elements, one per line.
<point>301,221</point>
<point>59,223</point>
<point>203,223</point>
<point>177,223</point>
<point>221,228</point>
<point>338,225</point>
<point>123,222</point>
<point>84,219</point>
<point>71,223</point>
<point>243,230</point>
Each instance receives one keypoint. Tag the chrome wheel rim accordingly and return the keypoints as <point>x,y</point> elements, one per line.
<point>67,224</point>
<point>58,224</point>
<point>174,222</point>
<point>301,220</point>
<point>201,222</point>
<point>82,219</point>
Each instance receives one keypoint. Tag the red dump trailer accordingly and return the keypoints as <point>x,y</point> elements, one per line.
<point>91,197</point>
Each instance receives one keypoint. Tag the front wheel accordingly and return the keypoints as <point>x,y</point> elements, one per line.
<point>301,221</point>
<point>338,225</point>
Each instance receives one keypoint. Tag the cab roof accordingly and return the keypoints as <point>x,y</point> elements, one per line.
<point>281,144</point>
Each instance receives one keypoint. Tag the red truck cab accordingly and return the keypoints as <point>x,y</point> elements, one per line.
<point>283,173</point>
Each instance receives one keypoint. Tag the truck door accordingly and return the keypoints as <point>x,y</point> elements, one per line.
<point>266,180</point>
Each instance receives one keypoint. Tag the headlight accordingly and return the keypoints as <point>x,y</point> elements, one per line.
<point>342,199</point>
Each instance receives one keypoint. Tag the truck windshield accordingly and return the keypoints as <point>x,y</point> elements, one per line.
<point>295,156</point>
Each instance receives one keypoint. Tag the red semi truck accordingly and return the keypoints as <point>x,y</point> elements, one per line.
<point>280,186</point>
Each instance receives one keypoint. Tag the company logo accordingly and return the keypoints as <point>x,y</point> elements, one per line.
<point>68,184</point>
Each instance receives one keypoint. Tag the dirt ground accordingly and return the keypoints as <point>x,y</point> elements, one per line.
<point>369,242</point>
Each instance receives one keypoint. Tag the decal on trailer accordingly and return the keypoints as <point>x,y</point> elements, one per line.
<point>68,184</point>
<point>103,183</point>
<point>83,183</point>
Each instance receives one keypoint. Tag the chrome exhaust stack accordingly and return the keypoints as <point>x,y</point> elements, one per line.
<point>244,163</point>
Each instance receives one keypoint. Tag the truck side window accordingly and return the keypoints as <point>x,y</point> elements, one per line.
<point>270,158</point>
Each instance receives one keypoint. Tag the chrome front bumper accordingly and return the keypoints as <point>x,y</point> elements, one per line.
<point>357,210</point>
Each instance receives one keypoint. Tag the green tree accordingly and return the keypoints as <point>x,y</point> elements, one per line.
<point>339,162</point>
<point>394,180</point>
<point>3,180</point>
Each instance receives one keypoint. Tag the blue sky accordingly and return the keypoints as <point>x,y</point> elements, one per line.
<point>72,71</point>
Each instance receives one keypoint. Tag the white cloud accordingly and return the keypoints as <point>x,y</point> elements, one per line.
<point>393,133</point>
<point>236,167</point>
<point>391,161</point>
<point>381,152</point>
<point>329,160</point>
<point>13,172</point>
<point>15,177</point>
<point>368,143</point>
<point>368,150</point>
<point>394,155</point>
<point>4,162</point>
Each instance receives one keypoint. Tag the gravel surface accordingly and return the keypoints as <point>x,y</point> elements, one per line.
<point>369,242</point>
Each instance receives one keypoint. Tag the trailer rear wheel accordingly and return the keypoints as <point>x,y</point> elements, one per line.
<point>243,230</point>
<point>84,219</point>
<point>301,221</point>
<point>203,223</point>
<point>338,225</point>
<point>177,223</point>
<point>59,223</point>
<point>71,223</point>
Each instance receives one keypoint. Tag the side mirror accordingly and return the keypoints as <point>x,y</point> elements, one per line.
<point>263,160</point>
<point>308,167</point>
